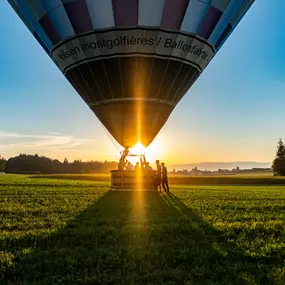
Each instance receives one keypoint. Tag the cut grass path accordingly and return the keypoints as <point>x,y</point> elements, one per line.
<point>77,232</point>
<point>214,180</point>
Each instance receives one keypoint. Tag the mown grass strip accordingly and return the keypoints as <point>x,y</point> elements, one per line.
<point>181,180</point>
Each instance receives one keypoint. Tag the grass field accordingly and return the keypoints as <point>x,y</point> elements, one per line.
<point>236,179</point>
<point>68,231</point>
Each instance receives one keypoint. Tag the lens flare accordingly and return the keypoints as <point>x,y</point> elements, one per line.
<point>138,149</point>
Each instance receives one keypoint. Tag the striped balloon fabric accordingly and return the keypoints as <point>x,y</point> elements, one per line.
<point>131,61</point>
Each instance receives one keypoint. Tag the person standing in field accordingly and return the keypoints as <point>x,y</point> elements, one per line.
<point>164,179</point>
<point>158,176</point>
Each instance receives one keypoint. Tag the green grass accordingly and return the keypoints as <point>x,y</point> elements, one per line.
<point>64,231</point>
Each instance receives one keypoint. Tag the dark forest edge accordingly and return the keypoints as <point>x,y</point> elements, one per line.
<point>35,164</point>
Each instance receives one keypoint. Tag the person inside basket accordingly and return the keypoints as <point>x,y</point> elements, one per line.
<point>130,166</point>
<point>137,167</point>
<point>148,167</point>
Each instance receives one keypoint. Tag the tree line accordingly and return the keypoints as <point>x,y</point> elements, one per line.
<point>30,164</point>
<point>35,164</point>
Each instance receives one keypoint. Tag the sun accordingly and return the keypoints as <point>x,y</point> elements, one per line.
<point>138,149</point>
<point>153,152</point>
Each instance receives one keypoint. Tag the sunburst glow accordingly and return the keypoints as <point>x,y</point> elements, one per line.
<point>156,150</point>
<point>138,149</point>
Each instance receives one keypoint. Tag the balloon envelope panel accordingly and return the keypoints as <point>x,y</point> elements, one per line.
<point>131,61</point>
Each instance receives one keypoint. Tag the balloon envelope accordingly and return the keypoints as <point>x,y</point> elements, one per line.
<point>131,61</point>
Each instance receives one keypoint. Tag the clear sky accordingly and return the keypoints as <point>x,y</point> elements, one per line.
<point>235,111</point>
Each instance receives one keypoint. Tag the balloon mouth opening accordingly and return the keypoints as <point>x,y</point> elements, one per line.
<point>138,149</point>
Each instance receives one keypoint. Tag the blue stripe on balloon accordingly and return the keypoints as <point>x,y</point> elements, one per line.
<point>194,15</point>
<point>150,12</point>
<point>241,12</point>
<point>36,7</point>
<point>61,22</point>
<point>41,42</point>
<point>51,4</point>
<point>233,7</point>
<point>34,23</point>
<point>101,13</point>
<point>59,18</point>
<point>235,21</point>
<point>28,25</point>
<point>43,36</point>
<point>223,36</point>
<point>27,13</point>
<point>221,4</point>
<point>225,20</point>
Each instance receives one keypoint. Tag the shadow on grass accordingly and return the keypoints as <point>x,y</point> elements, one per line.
<point>133,238</point>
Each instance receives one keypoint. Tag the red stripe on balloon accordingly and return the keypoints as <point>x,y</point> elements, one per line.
<point>49,29</point>
<point>125,12</point>
<point>78,14</point>
<point>173,14</point>
<point>211,20</point>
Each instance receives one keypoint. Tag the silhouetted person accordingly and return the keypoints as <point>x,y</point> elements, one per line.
<point>130,166</point>
<point>164,178</point>
<point>137,167</point>
<point>148,167</point>
<point>122,162</point>
<point>158,176</point>
<point>143,161</point>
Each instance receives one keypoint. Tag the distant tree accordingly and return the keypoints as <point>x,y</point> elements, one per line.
<point>2,163</point>
<point>279,161</point>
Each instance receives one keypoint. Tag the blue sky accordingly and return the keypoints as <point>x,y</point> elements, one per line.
<point>235,111</point>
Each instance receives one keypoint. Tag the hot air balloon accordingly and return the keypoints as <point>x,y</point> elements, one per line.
<point>131,61</point>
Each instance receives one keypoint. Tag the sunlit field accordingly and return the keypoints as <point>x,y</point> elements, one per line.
<point>75,231</point>
<point>180,179</point>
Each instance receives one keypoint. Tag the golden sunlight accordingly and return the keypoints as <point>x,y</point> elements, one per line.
<point>156,150</point>
<point>138,149</point>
